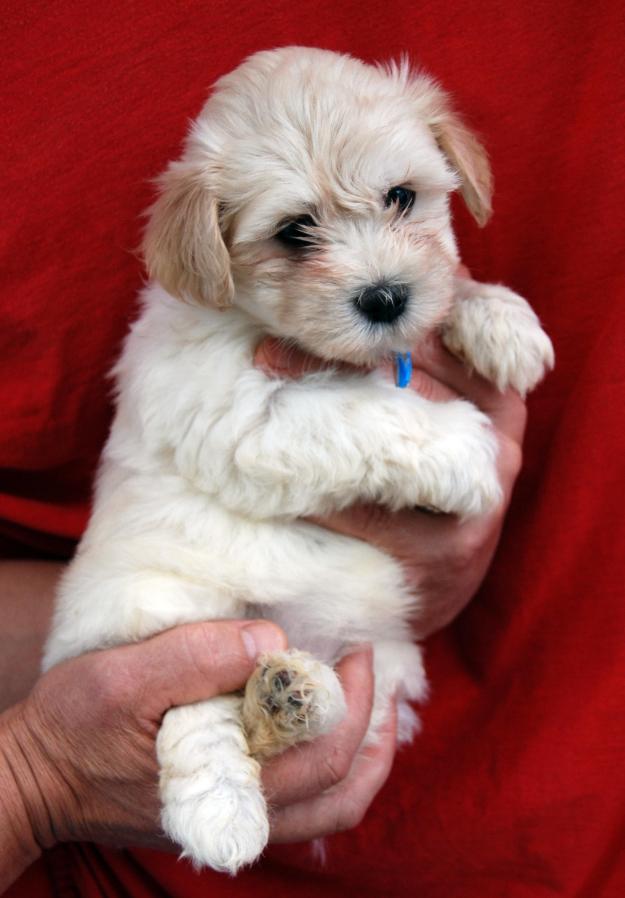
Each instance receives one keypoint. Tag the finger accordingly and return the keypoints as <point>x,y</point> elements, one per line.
<point>285,359</point>
<point>313,767</point>
<point>191,662</point>
<point>407,533</point>
<point>430,388</point>
<point>344,806</point>
<point>276,356</point>
<point>419,541</point>
<point>424,384</point>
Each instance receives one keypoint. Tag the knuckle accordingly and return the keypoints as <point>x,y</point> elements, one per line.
<point>469,543</point>
<point>513,408</point>
<point>518,406</point>
<point>350,815</point>
<point>333,769</point>
<point>510,459</point>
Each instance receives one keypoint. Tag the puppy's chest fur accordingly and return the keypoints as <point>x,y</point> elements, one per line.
<point>212,467</point>
<point>209,469</point>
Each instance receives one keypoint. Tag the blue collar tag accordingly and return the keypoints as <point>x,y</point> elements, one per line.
<point>403,369</point>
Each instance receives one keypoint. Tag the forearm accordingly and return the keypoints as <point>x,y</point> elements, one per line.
<point>27,590</point>
<point>18,790</point>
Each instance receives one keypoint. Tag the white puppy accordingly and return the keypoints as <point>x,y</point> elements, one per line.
<point>311,202</point>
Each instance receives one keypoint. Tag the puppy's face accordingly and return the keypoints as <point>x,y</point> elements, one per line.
<point>314,194</point>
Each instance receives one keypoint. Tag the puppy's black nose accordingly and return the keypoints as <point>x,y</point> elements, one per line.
<point>383,303</point>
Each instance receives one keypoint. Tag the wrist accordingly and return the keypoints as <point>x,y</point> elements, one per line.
<point>25,823</point>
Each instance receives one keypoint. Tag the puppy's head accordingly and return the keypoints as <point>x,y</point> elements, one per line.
<point>314,194</point>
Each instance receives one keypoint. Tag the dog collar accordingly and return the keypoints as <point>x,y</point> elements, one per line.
<point>403,369</point>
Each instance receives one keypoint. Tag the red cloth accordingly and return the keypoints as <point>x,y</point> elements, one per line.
<point>516,787</point>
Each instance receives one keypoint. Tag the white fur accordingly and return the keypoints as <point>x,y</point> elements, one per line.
<point>499,335</point>
<point>211,466</point>
<point>212,801</point>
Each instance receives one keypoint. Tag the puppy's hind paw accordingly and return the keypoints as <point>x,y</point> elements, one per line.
<point>220,826</point>
<point>291,697</point>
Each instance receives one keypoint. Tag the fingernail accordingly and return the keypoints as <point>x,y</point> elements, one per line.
<point>261,637</point>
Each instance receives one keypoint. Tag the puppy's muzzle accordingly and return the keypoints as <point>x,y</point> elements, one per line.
<point>382,303</point>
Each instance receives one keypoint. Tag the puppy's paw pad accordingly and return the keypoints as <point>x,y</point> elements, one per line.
<point>290,698</point>
<point>284,694</point>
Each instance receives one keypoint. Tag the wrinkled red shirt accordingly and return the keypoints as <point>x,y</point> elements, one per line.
<point>516,787</point>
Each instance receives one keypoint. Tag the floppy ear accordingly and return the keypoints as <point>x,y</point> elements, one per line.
<point>182,246</point>
<point>461,147</point>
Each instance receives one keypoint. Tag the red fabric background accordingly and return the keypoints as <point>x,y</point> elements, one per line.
<point>516,787</point>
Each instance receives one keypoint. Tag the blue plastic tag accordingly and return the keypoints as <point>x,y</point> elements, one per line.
<point>403,369</point>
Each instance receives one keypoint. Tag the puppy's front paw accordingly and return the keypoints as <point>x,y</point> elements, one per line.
<point>291,697</point>
<point>457,466</point>
<point>498,334</point>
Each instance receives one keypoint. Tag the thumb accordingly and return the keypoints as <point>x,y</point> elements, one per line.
<point>197,661</point>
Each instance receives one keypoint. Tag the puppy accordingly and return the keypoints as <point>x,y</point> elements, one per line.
<point>311,203</point>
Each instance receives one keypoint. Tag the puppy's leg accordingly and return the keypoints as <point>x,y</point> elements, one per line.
<point>498,334</point>
<point>360,439</point>
<point>399,675</point>
<point>291,697</point>
<point>213,805</point>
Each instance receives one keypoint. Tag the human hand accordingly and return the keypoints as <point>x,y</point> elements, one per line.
<point>444,559</point>
<point>80,749</point>
<point>327,785</point>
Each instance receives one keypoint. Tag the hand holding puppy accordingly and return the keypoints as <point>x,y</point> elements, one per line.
<point>79,761</point>
<point>319,787</point>
<point>445,559</point>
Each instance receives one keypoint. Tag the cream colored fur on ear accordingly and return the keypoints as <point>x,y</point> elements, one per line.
<point>469,158</point>
<point>461,147</point>
<point>183,246</point>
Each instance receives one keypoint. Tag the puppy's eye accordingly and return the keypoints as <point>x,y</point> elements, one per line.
<point>401,197</point>
<point>296,233</point>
